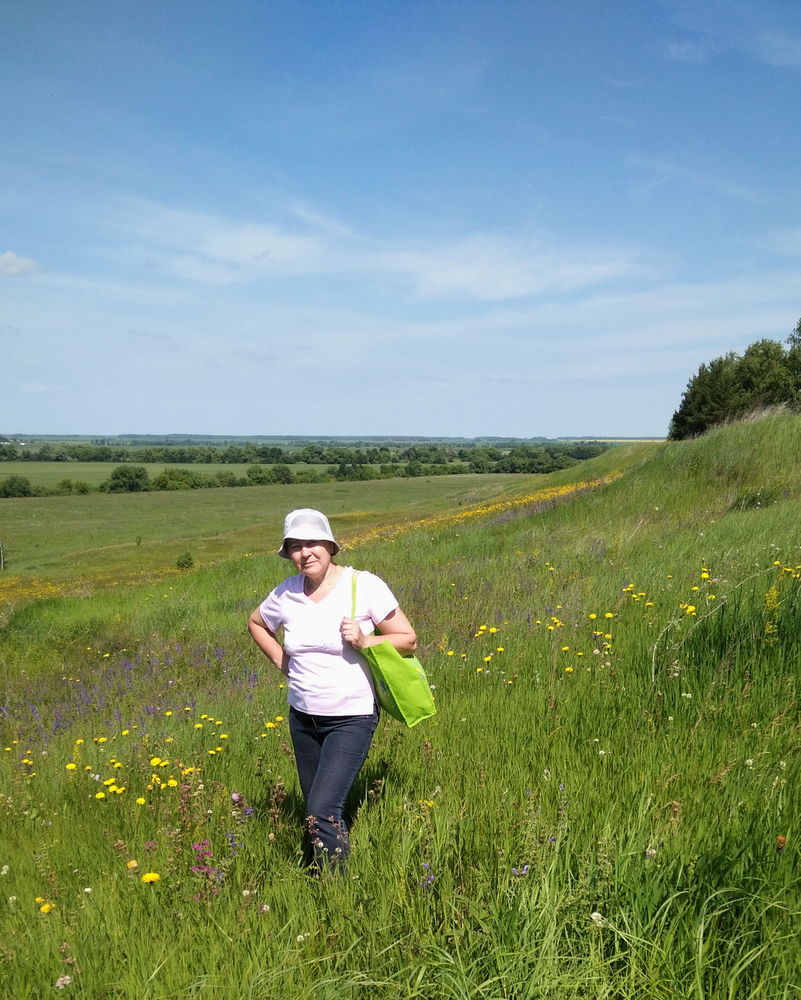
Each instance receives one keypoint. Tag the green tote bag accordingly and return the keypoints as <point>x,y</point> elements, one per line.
<point>400,682</point>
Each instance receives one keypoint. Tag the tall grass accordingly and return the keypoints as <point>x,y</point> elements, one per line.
<point>606,805</point>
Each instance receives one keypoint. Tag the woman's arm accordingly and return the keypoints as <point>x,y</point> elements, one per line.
<point>267,643</point>
<point>395,628</point>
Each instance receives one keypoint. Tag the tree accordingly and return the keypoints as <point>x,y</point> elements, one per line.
<point>128,479</point>
<point>728,387</point>
<point>16,486</point>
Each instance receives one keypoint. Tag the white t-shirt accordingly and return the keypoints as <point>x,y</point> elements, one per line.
<point>326,675</point>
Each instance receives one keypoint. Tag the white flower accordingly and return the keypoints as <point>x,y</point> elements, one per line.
<point>88,889</point>
<point>598,918</point>
<point>749,762</point>
<point>4,870</point>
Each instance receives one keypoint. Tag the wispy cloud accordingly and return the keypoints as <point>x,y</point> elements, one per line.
<point>481,266</point>
<point>787,242</point>
<point>779,49</point>
<point>697,51</point>
<point>15,266</point>
<point>666,171</point>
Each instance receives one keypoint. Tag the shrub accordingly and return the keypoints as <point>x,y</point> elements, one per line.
<point>185,561</point>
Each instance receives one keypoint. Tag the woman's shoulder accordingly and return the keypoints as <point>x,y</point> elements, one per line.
<point>365,578</point>
<point>292,585</point>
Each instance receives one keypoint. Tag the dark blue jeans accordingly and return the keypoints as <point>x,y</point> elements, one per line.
<point>329,751</point>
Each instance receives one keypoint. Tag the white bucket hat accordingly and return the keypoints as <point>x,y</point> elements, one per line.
<point>307,525</point>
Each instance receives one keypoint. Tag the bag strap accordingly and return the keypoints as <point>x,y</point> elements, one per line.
<point>353,594</point>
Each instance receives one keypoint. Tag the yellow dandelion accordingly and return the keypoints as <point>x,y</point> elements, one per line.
<point>72,767</point>
<point>100,795</point>
<point>140,801</point>
<point>47,907</point>
<point>151,877</point>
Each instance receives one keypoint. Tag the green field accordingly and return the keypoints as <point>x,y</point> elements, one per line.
<point>111,536</point>
<point>49,474</point>
<point>606,806</point>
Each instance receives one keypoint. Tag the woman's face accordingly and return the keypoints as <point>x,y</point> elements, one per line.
<point>310,557</point>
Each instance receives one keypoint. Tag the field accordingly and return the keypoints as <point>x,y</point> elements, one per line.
<point>94,473</point>
<point>605,806</point>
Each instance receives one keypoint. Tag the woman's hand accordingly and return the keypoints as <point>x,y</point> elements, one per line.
<point>351,632</point>
<point>395,629</point>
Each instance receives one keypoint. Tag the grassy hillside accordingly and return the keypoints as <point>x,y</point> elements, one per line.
<point>606,805</point>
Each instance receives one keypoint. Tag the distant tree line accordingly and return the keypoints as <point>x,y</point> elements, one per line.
<point>310,454</point>
<point>350,465</point>
<point>766,374</point>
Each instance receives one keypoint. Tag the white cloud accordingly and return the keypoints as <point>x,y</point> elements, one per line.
<point>665,171</point>
<point>15,266</point>
<point>481,266</point>
<point>779,49</point>
<point>697,52</point>
<point>786,242</point>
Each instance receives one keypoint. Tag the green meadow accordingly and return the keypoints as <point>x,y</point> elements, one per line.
<point>605,807</point>
<point>50,474</point>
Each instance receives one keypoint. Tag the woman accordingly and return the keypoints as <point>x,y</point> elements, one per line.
<point>333,711</point>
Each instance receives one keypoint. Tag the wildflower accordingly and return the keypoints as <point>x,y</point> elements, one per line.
<point>155,761</point>
<point>132,865</point>
<point>598,919</point>
<point>151,877</point>
<point>609,614</point>
<point>62,981</point>
<point>71,767</point>
<point>4,870</point>
<point>781,842</point>
<point>47,907</point>
<point>140,801</point>
<point>519,872</point>
<point>88,889</point>
<point>100,795</point>
<point>269,725</point>
<point>568,670</point>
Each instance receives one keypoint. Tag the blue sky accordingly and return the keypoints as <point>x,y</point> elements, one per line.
<point>390,217</point>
